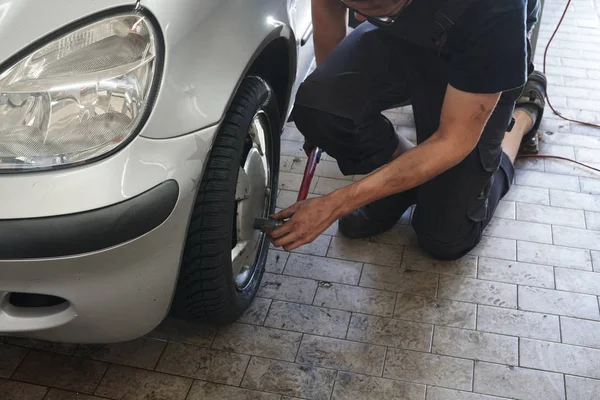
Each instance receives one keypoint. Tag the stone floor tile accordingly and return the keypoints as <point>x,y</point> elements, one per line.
<point>324,269</point>
<point>10,358</point>
<point>559,357</point>
<point>558,302</point>
<point>288,288</point>
<point>327,169</point>
<point>580,332</point>
<point>286,198</point>
<point>399,235</point>
<point>430,369</point>
<point>258,341</point>
<point>556,256</point>
<point>291,181</point>
<point>318,247</point>
<point>518,323</point>
<point>478,291</point>
<point>573,237</point>
<point>519,230</point>
<point>399,280</point>
<point>436,311</point>
<point>140,353</point>
<point>52,347</point>
<point>589,185</point>
<point>290,132</point>
<point>579,201</point>
<point>362,387</point>
<point>475,345</point>
<point>550,215</point>
<point>342,355</point>
<point>519,383</point>
<point>286,163</point>
<point>328,185</point>
<point>516,272</point>
<point>60,371</point>
<point>546,180</point>
<point>202,363</point>
<point>578,281</point>
<point>592,220</point>
<point>125,383</point>
<point>276,260</point>
<point>356,299</point>
<point>292,149</point>
<point>570,169</point>
<point>367,252</point>
<point>582,388</point>
<point>257,312</point>
<point>437,393</point>
<point>416,259</point>
<point>57,394</point>
<point>530,164</point>
<point>596,260</point>
<point>495,247</point>
<point>206,390</point>
<point>11,390</point>
<point>176,330</point>
<point>308,319</point>
<point>289,379</point>
<point>528,194</point>
<point>390,332</point>
<point>506,209</point>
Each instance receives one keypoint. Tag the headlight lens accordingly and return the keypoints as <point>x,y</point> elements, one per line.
<point>78,97</point>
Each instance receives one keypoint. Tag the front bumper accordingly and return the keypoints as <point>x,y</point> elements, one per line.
<point>113,257</point>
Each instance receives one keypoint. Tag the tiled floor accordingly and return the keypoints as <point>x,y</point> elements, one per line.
<point>341,319</point>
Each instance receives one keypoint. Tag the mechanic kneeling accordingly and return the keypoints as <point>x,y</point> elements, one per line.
<point>465,66</point>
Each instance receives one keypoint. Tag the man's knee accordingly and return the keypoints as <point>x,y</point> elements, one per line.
<point>446,246</point>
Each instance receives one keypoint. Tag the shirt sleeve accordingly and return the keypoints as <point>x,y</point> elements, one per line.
<point>493,57</point>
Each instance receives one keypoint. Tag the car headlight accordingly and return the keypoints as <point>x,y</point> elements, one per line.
<point>80,96</point>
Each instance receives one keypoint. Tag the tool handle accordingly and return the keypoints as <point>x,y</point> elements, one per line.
<point>309,172</point>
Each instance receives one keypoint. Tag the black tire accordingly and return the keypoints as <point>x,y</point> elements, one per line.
<point>206,290</point>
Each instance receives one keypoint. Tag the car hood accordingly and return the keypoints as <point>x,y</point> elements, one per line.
<point>23,22</point>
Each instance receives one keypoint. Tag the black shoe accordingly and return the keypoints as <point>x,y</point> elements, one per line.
<point>375,218</point>
<point>533,102</point>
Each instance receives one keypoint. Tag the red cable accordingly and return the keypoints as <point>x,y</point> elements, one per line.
<point>558,158</point>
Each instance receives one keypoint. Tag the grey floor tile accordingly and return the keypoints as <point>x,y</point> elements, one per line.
<point>435,311</point>
<point>590,186</point>
<point>436,393</point>
<point>202,363</point>
<point>288,288</point>
<point>399,235</point>
<point>60,371</point>
<point>559,357</point>
<point>317,248</point>
<point>495,247</point>
<point>136,384</point>
<point>506,209</point>
<point>140,353</point>
<point>582,388</point>
<point>516,272</point>
<point>342,355</point>
<point>519,230</point>
<point>528,194</point>
<point>550,215</point>
<point>289,379</point>
<point>286,163</point>
<point>518,383</point>
<point>546,180</point>
<point>362,387</point>
<point>257,312</point>
<point>580,332</point>
<point>430,369</point>
<point>327,169</point>
<point>57,394</point>
<point>415,259</point>
<point>558,302</point>
<point>324,269</point>
<point>205,391</point>
<point>356,299</point>
<point>390,332</point>
<point>11,390</point>
<point>258,341</point>
<point>363,251</point>
<point>596,260</point>
<point>10,358</point>
<point>475,345</point>
<point>276,261</point>
<point>518,323</point>
<point>573,237</point>
<point>556,256</point>
<point>399,280</point>
<point>579,201</point>
<point>286,198</point>
<point>478,291</point>
<point>578,281</point>
<point>52,347</point>
<point>176,330</point>
<point>308,319</point>
<point>592,220</point>
<point>292,181</point>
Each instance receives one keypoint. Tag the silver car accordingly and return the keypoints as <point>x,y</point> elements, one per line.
<point>138,143</point>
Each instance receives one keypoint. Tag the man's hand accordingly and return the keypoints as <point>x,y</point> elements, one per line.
<point>307,220</point>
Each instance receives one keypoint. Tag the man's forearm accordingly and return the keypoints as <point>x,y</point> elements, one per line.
<point>329,26</point>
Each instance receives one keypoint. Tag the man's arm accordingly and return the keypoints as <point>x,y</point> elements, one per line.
<point>330,21</point>
<point>464,116</point>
